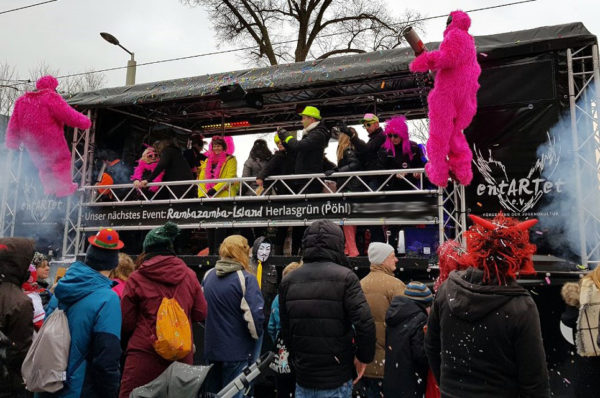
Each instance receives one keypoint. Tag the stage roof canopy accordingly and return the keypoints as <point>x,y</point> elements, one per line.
<point>343,87</point>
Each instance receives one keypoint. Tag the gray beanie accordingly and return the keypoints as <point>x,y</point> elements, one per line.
<point>378,252</point>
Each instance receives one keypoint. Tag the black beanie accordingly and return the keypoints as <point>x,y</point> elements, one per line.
<point>101,259</point>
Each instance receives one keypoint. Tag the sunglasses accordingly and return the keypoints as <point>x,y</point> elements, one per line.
<point>152,155</point>
<point>368,124</point>
<point>393,136</point>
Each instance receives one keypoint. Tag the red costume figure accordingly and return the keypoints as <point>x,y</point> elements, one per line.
<point>38,122</point>
<point>452,102</point>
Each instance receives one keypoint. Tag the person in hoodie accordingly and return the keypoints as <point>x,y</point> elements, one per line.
<point>235,314</point>
<point>94,316</point>
<point>483,335</point>
<point>161,274</point>
<point>16,313</point>
<point>405,360</point>
<point>325,319</point>
<point>380,287</point>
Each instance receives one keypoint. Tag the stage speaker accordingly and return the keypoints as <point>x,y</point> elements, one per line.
<point>234,96</point>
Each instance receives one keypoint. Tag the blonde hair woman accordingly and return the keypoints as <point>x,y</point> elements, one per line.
<point>586,337</point>
<point>235,313</point>
<point>348,160</point>
<point>121,273</point>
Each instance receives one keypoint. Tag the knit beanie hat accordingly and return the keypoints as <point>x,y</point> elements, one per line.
<point>378,252</point>
<point>418,292</point>
<point>161,239</point>
<point>101,259</point>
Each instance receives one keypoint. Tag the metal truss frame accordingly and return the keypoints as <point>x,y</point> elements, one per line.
<point>452,204</point>
<point>82,155</point>
<point>583,67</point>
<point>11,181</point>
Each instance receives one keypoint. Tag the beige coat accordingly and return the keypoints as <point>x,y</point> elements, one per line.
<point>380,286</point>
<point>586,338</point>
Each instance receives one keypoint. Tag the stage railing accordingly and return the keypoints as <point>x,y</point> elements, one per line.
<point>364,188</point>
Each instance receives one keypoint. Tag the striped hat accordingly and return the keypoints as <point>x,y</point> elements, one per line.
<point>418,292</point>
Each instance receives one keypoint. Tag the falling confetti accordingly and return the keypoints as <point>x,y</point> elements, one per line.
<point>382,85</point>
<point>479,204</point>
<point>547,279</point>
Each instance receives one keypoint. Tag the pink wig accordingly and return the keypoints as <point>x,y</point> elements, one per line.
<point>397,125</point>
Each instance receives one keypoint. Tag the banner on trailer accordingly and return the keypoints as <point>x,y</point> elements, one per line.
<point>38,216</point>
<point>423,208</point>
<point>515,148</point>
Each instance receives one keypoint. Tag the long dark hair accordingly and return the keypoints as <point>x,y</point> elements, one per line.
<point>260,150</point>
<point>164,143</point>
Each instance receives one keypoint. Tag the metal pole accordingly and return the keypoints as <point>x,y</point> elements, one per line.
<point>440,197</point>
<point>17,186</point>
<point>574,134</point>
<point>131,69</point>
<point>6,185</point>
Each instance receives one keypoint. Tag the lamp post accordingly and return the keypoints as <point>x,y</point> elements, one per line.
<point>130,78</point>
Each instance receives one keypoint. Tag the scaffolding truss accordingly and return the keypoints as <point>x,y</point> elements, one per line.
<point>584,90</point>
<point>82,155</point>
<point>10,195</point>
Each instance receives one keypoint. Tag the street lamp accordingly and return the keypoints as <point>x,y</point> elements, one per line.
<point>130,78</point>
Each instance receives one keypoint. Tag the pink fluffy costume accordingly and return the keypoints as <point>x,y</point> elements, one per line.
<point>38,122</point>
<point>452,102</point>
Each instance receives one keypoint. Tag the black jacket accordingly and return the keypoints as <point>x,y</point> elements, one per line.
<point>310,150</point>
<point>323,309</point>
<point>484,340</point>
<point>176,168</point>
<point>405,361</point>
<point>390,161</point>
<point>282,163</point>
<point>367,151</point>
<point>194,158</point>
<point>349,162</point>
<point>16,311</point>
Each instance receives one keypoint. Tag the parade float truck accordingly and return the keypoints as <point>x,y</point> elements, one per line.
<point>535,142</point>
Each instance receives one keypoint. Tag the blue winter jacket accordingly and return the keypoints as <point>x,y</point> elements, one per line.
<point>94,315</point>
<point>226,336</point>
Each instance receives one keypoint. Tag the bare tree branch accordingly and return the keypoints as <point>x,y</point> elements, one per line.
<point>293,30</point>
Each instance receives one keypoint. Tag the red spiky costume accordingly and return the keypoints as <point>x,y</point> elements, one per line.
<point>500,247</point>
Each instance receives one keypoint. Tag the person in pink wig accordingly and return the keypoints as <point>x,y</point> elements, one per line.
<point>38,122</point>
<point>146,165</point>
<point>452,102</point>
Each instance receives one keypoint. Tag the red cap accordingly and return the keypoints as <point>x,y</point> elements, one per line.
<point>106,238</point>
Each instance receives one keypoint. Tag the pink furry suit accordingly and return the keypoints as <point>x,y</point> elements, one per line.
<point>452,102</point>
<point>38,122</point>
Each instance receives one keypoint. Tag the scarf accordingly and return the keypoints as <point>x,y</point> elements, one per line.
<point>226,266</point>
<point>210,172</point>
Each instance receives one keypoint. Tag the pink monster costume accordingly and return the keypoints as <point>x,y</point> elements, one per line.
<point>38,123</point>
<point>452,102</point>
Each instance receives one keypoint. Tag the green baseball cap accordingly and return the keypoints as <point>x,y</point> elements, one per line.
<point>311,111</point>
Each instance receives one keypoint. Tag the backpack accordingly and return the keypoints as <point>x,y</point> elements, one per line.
<point>173,330</point>
<point>45,366</point>
<point>245,307</point>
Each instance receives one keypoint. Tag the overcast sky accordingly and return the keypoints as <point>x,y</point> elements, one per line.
<point>65,34</point>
